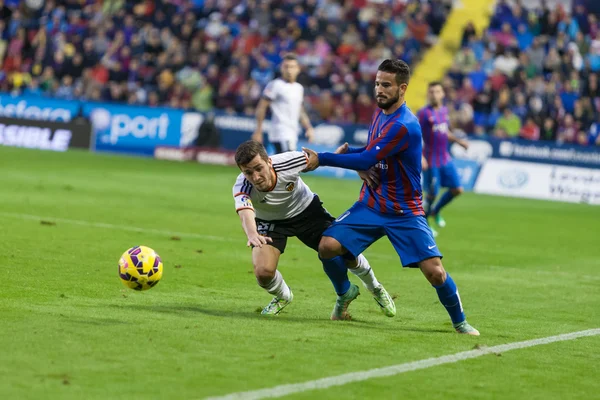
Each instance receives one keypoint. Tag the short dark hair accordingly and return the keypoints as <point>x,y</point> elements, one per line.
<point>435,83</point>
<point>398,67</point>
<point>248,150</point>
<point>290,57</point>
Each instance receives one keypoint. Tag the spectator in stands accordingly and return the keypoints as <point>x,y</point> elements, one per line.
<point>530,130</point>
<point>218,51</point>
<point>542,63</point>
<point>508,125</point>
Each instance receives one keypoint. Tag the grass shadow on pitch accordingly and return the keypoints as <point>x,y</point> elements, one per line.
<point>182,310</point>
<point>185,310</point>
<point>96,321</point>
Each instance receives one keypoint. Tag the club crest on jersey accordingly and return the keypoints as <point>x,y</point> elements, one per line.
<point>290,186</point>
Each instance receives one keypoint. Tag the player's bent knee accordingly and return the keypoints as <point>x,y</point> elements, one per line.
<point>457,191</point>
<point>433,270</point>
<point>329,248</point>
<point>264,274</point>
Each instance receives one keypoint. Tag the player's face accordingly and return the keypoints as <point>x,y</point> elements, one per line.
<point>290,70</point>
<point>435,95</point>
<point>387,90</point>
<point>259,173</point>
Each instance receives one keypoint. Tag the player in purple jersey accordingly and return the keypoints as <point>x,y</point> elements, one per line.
<point>441,171</point>
<point>392,207</point>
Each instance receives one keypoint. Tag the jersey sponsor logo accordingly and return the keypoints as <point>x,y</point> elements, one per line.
<point>381,165</point>
<point>246,201</point>
<point>441,128</point>
<point>431,247</point>
<point>290,186</point>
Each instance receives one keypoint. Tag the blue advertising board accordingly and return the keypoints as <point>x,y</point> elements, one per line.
<point>468,170</point>
<point>38,108</point>
<point>481,149</point>
<point>139,130</point>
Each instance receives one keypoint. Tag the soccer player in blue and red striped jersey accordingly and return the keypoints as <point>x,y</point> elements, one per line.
<point>390,202</point>
<point>441,171</point>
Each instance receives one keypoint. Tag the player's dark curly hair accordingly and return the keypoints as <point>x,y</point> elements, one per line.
<point>248,150</point>
<point>398,67</point>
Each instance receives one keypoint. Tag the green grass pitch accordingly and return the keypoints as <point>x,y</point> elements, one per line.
<point>70,330</point>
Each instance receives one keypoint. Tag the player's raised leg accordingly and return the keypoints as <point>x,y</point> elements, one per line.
<point>447,292</point>
<point>265,260</point>
<point>450,179</point>
<point>334,264</point>
<point>446,198</point>
<point>431,184</point>
<point>362,269</point>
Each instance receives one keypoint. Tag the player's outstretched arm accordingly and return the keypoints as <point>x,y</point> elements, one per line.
<point>461,142</point>
<point>346,149</point>
<point>308,128</point>
<point>393,139</point>
<point>249,226</point>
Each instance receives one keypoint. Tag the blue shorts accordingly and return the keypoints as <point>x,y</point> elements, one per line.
<point>360,226</point>
<point>444,176</point>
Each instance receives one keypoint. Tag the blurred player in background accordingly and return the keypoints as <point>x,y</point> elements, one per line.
<point>273,203</point>
<point>440,171</point>
<point>285,96</point>
<point>394,208</point>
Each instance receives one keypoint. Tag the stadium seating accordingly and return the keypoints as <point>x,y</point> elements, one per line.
<point>201,54</point>
<point>534,75</point>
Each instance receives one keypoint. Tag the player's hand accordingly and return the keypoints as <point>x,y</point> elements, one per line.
<point>342,149</point>
<point>464,144</point>
<point>424,164</point>
<point>310,134</point>
<point>257,240</point>
<point>258,136</point>
<point>371,177</point>
<point>313,160</point>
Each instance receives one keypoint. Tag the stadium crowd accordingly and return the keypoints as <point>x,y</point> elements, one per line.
<point>533,74</point>
<point>203,54</point>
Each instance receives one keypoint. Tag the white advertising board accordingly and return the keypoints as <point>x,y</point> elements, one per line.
<point>539,181</point>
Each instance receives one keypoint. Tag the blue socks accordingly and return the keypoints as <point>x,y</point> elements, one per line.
<point>448,294</point>
<point>430,201</point>
<point>336,270</point>
<point>446,198</point>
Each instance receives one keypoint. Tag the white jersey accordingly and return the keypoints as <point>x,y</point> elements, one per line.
<point>288,198</point>
<point>286,104</point>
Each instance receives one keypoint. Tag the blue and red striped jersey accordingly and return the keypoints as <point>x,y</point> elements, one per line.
<point>435,125</point>
<point>394,148</point>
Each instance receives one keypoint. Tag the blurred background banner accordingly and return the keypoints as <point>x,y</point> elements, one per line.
<point>539,181</point>
<point>139,130</point>
<point>38,108</point>
<point>45,135</point>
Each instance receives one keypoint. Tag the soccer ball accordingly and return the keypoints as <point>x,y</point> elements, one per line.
<point>140,268</point>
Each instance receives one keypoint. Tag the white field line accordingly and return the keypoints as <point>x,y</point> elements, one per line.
<point>118,227</point>
<point>238,239</point>
<point>339,380</point>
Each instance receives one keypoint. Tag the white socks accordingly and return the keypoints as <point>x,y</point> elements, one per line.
<point>278,288</point>
<point>364,272</point>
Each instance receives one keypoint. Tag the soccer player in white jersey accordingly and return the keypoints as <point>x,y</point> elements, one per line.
<point>273,203</point>
<point>285,96</point>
